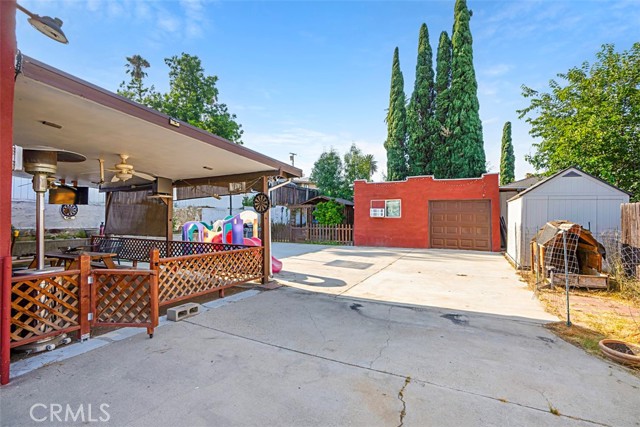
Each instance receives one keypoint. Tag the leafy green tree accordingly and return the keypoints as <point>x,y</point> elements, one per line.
<point>442,152</point>
<point>192,96</point>
<point>507,158</point>
<point>329,213</point>
<point>369,167</point>
<point>356,166</point>
<point>135,88</point>
<point>593,121</point>
<point>463,121</point>
<point>422,126</point>
<point>327,174</point>
<point>396,125</point>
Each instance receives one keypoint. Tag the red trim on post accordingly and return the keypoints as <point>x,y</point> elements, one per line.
<point>5,321</point>
<point>7,84</point>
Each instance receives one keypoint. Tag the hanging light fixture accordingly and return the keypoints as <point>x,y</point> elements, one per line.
<point>50,27</point>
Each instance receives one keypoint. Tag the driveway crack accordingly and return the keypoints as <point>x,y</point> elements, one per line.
<point>403,412</point>
<point>386,345</point>
<point>393,374</point>
<point>313,320</point>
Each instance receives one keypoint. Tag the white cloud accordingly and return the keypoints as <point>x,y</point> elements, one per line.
<point>498,70</point>
<point>168,23</point>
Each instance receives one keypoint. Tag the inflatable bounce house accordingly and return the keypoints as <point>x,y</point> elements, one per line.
<point>229,231</point>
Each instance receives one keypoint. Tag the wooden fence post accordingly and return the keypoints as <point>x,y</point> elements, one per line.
<point>153,302</point>
<point>86,298</point>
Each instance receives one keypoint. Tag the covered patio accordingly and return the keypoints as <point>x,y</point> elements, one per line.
<point>58,111</point>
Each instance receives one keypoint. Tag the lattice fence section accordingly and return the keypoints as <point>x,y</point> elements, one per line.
<point>125,297</point>
<point>192,275</point>
<point>137,249</point>
<point>44,305</point>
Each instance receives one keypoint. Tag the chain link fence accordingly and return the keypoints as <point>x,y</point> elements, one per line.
<point>556,284</point>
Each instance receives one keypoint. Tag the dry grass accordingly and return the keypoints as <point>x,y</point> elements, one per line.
<point>595,315</point>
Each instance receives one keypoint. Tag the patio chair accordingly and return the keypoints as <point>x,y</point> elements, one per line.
<point>110,246</point>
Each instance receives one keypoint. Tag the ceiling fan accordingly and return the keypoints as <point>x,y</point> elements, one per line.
<point>124,171</point>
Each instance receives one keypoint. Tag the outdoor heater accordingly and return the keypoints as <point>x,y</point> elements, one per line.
<point>42,163</point>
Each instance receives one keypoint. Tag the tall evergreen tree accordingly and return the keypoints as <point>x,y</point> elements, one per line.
<point>442,155</point>
<point>467,148</point>
<point>507,158</point>
<point>396,125</point>
<point>422,127</point>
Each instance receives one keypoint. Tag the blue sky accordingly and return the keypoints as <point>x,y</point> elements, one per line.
<point>305,76</point>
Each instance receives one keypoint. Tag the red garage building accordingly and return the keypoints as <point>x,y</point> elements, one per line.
<point>423,212</point>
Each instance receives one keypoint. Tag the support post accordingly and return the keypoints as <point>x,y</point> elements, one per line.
<point>169,202</point>
<point>5,320</point>
<point>266,237</point>
<point>154,283</point>
<point>7,86</point>
<point>85,297</point>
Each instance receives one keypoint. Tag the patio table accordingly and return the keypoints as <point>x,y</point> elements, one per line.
<point>71,259</point>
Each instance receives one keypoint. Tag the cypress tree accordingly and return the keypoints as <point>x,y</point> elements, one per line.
<point>422,127</point>
<point>467,148</point>
<point>507,158</point>
<point>442,155</point>
<point>396,125</point>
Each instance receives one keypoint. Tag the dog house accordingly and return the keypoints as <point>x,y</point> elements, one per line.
<point>564,247</point>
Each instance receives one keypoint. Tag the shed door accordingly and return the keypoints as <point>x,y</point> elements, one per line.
<point>460,224</point>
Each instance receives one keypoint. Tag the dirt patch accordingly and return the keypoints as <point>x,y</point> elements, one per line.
<point>595,315</point>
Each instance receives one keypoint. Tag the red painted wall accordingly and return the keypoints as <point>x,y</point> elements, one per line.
<point>411,230</point>
<point>7,68</point>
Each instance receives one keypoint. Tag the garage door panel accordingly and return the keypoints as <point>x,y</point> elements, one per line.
<point>460,224</point>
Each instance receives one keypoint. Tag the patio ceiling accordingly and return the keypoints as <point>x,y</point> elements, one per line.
<point>101,125</point>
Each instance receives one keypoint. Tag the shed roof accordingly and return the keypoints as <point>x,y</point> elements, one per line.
<point>562,173</point>
<point>521,184</point>
<point>320,199</point>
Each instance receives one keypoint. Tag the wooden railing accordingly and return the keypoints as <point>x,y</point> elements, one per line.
<point>188,276</point>
<point>46,305</point>
<point>50,304</point>
<point>315,233</point>
<point>125,298</point>
<point>138,249</point>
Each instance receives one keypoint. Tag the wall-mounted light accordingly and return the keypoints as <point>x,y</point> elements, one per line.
<point>50,27</point>
<point>174,122</point>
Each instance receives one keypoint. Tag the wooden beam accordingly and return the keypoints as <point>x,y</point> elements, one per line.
<point>224,180</point>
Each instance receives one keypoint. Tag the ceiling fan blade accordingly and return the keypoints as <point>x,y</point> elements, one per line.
<point>144,175</point>
<point>115,178</point>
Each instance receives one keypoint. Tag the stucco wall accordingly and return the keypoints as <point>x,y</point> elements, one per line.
<point>411,230</point>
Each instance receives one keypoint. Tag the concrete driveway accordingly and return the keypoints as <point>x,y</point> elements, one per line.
<point>480,282</point>
<point>356,353</point>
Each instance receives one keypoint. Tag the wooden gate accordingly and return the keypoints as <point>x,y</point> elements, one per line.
<point>125,298</point>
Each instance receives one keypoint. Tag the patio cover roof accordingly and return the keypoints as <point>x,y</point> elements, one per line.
<point>100,124</point>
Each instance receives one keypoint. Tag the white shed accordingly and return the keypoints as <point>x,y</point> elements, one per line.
<point>571,195</point>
